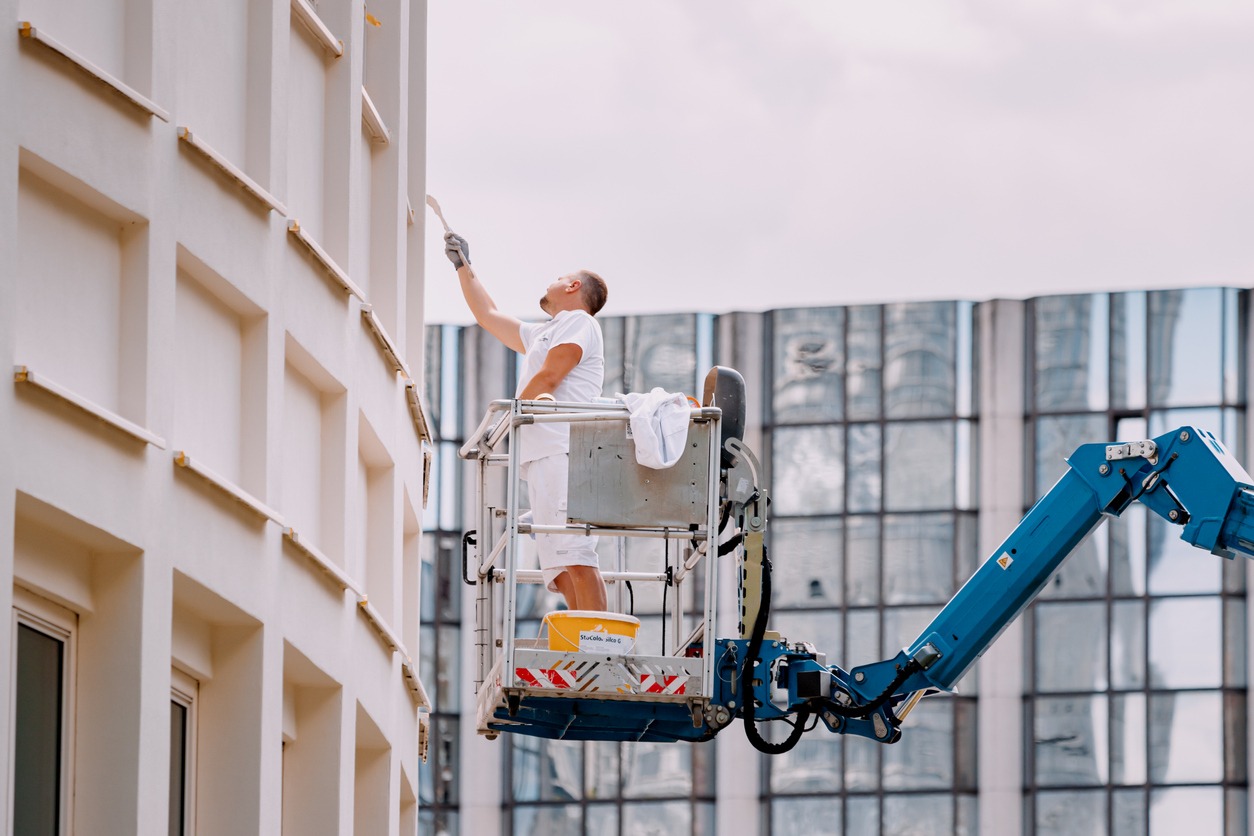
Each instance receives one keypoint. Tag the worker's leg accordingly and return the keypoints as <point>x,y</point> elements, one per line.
<point>587,586</point>
<point>569,562</point>
<point>566,586</point>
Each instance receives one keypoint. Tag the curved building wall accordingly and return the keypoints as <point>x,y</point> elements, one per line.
<point>212,454</point>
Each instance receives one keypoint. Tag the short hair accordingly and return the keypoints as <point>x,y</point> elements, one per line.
<point>594,290</point>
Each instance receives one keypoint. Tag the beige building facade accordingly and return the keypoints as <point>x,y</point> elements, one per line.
<point>213,450</point>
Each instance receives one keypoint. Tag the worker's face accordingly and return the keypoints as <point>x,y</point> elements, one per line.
<point>558,290</point>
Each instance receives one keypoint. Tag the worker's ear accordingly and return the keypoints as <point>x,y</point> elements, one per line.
<point>574,286</point>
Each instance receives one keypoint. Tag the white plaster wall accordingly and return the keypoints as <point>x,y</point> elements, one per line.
<point>212,93</point>
<point>306,131</point>
<point>209,382</point>
<point>302,454</point>
<point>94,28</point>
<point>69,290</point>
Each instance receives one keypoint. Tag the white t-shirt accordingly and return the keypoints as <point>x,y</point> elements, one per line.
<point>582,385</point>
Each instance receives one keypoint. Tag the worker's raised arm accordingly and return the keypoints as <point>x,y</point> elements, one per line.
<point>500,325</point>
<point>559,362</point>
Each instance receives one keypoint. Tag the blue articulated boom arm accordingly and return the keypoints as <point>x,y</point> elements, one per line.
<point>1186,476</point>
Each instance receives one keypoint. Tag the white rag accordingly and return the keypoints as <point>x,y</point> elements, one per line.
<point>659,424</point>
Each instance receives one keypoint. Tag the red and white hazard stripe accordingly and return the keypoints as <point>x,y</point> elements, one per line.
<point>546,677</point>
<point>650,684</point>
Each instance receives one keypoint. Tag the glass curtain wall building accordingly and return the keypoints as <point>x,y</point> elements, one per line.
<point>876,426</point>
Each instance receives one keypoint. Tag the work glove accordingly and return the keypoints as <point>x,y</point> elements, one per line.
<point>456,248</point>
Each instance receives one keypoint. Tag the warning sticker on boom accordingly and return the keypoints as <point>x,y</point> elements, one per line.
<point>1005,560</point>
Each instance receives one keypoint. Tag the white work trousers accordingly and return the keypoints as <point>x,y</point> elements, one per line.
<point>546,489</point>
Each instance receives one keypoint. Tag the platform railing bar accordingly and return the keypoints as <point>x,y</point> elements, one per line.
<point>533,576</point>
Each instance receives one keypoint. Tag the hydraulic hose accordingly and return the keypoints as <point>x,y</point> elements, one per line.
<point>746,676</point>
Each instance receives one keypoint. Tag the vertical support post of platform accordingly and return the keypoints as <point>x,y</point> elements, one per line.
<point>511,548</point>
<point>714,433</point>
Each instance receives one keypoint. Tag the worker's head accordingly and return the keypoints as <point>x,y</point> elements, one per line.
<point>582,290</point>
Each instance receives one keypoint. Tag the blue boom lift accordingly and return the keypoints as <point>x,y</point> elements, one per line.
<point>697,688</point>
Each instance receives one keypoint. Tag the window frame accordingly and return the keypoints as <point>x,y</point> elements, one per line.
<point>185,690</point>
<point>59,623</point>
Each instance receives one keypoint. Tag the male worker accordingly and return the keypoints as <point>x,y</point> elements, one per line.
<point>564,360</point>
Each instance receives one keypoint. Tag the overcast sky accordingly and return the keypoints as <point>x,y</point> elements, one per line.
<point>718,155</point>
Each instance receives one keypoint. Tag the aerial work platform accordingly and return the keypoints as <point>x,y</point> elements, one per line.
<point>524,687</point>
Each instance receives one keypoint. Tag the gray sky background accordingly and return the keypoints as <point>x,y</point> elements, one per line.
<point>718,155</point>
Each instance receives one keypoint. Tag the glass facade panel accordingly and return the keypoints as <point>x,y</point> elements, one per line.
<point>560,820</point>
<point>808,476</point>
<point>601,820</point>
<point>928,762</point>
<point>448,678</point>
<point>818,816</point>
<point>918,558</point>
<point>1186,810</point>
<point>657,818</point>
<point>865,376</point>
<point>813,766</point>
<point>919,466</point>
<point>1128,320</point>
<point>862,816</point>
<point>1128,550</point>
<point>1175,567</point>
<point>1127,645</point>
<point>1186,347</point>
<point>862,542</point>
<point>547,770</point>
<point>866,481</point>
<point>612,336</point>
<point>1174,657</point>
<point>1071,741</point>
<point>1184,730</point>
<point>1071,352</point>
<point>822,628</point>
<point>809,365</point>
<point>1071,813</point>
<point>661,350</point>
<point>806,556</point>
<point>924,815</point>
<point>919,360</point>
<point>862,768</point>
<point>601,769</point>
<point>1056,438</point>
<point>657,770</point>
<point>1081,630</point>
<point>1129,813</point>
<point>1127,739</point>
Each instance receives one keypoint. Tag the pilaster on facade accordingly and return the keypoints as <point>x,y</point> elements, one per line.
<point>1001,481</point>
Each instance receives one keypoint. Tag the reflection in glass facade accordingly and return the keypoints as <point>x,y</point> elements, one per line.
<point>1136,700</point>
<point>867,539</point>
<point>1134,657</point>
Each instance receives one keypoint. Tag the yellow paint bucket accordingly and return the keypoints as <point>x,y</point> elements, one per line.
<point>589,631</point>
